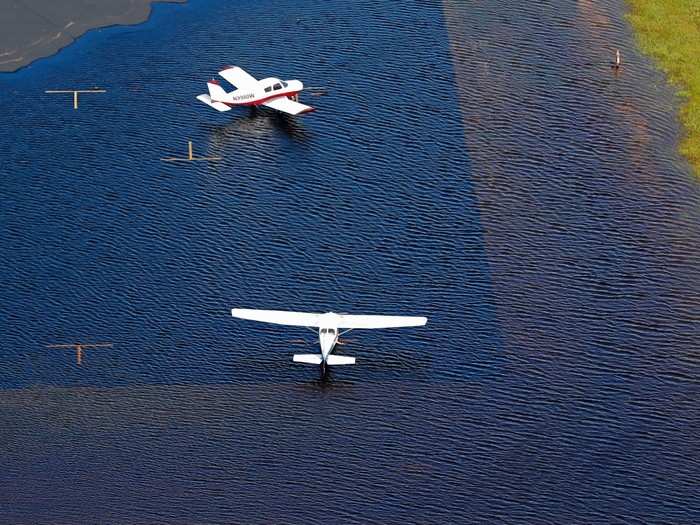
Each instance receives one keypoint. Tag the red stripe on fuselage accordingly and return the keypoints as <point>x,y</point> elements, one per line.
<point>260,101</point>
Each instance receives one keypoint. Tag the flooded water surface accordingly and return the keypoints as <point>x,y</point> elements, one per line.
<point>475,162</point>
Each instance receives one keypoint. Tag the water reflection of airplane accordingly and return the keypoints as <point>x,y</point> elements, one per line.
<point>80,347</point>
<point>253,126</point>
<point>280,95</point>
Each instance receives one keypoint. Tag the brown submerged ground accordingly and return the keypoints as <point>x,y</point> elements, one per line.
<point>32,29</point>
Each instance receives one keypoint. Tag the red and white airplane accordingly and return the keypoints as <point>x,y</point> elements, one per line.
<point>270,92</point>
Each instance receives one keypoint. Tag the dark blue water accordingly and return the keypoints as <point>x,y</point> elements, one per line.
<point>472,162</point>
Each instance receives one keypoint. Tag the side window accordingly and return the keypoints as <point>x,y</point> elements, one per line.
<point>278,86</point>
<point>268,89</point>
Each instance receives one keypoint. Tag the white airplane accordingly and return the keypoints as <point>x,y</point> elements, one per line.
<point>328,325</point>
<point>270,92</point>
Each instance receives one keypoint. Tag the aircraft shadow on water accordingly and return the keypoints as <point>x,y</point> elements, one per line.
<point>258,123</point>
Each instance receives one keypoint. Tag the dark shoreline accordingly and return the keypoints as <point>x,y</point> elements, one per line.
<point>33,29</point>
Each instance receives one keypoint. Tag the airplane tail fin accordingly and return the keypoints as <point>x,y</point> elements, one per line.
<point>340,360</point>
<point>312,359</point>
<point>216,92</point>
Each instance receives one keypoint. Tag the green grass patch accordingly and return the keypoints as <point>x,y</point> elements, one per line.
<point>669,31</point>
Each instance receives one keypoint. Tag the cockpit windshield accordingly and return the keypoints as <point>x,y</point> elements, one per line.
<point>327,331</point>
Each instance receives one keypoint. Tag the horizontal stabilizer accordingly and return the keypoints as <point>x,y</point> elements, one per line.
<point>312,359</point>
<point>216,105</point>
<point>340,360</point>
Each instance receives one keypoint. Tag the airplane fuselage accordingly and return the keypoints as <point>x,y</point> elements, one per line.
<point>265,90</point>
<point>327,338</point>
<point>328,334</point>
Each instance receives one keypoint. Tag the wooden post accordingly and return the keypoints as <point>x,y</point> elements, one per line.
<point>79,348</point>
<point>190,155</point>
<point>618,62</point>
<point>75,93</point>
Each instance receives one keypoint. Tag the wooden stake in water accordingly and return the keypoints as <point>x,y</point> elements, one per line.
<point>190,156</point>
<point>618,61</point>
<point>75,93</point>
<point>80,347</point>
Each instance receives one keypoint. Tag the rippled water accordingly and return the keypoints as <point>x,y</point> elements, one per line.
<point>473,162</point>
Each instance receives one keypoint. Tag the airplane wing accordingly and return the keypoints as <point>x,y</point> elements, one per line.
<point>380,321</point>
<point>288,106</point>
<point>277,317</point>
<point>239,78</point>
